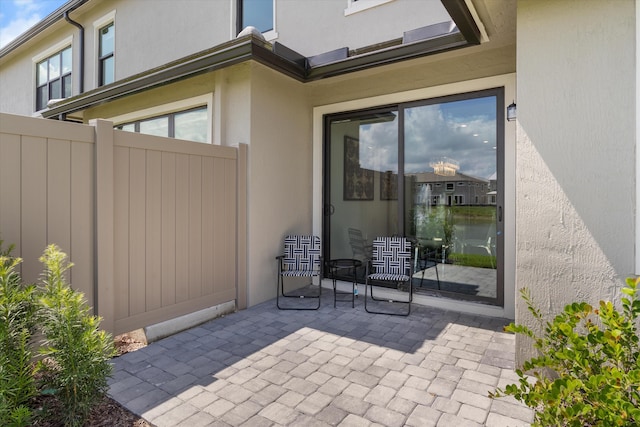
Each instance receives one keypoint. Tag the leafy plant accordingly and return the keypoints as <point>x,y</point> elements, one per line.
<point>77,352</point>
<point>17,325</point>
<point>588,369</point>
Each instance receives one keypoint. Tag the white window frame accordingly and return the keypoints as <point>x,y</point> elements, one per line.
<point>98,24</point>
<point>355,6</point>
<point>61,45</point>
<point>172,107</point>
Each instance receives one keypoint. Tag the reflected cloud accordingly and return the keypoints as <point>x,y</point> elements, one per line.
<point>462,130</point>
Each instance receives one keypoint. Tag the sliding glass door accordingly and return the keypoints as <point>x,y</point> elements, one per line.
<point>448,200</point>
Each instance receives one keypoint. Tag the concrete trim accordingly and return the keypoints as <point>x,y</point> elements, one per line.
<point>182,323</point>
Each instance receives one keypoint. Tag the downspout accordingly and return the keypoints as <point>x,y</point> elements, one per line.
<point>81,48</point>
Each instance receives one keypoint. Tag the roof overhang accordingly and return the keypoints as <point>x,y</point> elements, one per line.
<point>286,61</point>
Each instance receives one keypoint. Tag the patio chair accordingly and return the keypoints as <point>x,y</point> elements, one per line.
<point>424,259</point>
<point>391,263</point>
<point>360,248</point>
<point>302,258</point>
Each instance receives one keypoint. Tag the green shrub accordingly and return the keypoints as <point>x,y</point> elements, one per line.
<point>77,352</point>
<point>588,369</point>
<point>75,355</point>
<point>17,325</point>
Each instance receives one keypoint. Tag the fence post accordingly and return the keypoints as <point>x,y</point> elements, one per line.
<point>104,286</point>
<point>241,224</point>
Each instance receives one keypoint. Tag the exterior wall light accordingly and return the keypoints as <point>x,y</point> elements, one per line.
<point>511,112</point>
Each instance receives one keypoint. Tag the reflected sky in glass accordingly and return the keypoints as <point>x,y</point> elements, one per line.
<point>191,125</point>
<point>461,130</point>
<point>158,127</point>
<point>258,13</point>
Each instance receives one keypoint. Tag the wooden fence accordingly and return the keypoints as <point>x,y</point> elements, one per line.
<point>155,227</point>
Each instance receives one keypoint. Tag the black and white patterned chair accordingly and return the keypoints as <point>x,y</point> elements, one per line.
<point>391,263</point>
<point>302,258</point>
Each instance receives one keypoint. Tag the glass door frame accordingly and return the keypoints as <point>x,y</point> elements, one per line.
<point>499,94</point>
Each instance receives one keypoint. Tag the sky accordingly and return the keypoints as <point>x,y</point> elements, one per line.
<point>464,131</point>
<point>17,16</point>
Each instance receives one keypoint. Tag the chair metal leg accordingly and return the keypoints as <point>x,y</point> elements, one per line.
<point>281,294</point>
<point>369,286</point>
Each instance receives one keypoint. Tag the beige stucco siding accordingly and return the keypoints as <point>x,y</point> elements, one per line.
<point>324,26</point>
<point>280,174</point>
<point>576,151</point>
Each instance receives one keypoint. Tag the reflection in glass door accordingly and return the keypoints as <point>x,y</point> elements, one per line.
<point>447,152</point>
<point>363,149</point>
<point>451,193</point>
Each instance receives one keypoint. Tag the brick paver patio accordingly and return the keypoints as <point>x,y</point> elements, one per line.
<point>335,366</point>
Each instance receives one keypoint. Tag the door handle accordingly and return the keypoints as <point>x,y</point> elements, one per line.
<point>499,213</point>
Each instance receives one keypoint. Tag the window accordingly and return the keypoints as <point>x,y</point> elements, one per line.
<point>256,13</point>
<point>53,78</point>
<point>106,60</point>
<point>449,186</point>
<point>190,125</point>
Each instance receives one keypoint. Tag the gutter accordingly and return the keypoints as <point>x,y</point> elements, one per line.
<point>420,43</point>
<point>245,49</point>
<point>80,47</point>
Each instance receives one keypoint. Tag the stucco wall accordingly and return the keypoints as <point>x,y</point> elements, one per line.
<point>280,174</point>
<point>324,26</point>
<point>575,152</point>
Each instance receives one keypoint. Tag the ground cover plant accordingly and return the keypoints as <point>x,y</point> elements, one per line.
<point>69,364</point>
<point>587,372</point>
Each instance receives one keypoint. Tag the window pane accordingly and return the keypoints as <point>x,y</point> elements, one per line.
<point>453,143</point>
<point>42,72</point>
<point>362,175</point>
<point>54,67</point>
<point>66,61</point>
<point>55,88</point>
<point>108,70</point>
<point>158,126</point>
<point>191,125</point>
<point>106,39</point>
<point>131,127</point>
<point>66,86</point>
<point>42,97</point>
<point>257,13</point>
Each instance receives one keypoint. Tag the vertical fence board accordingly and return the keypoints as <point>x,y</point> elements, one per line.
<point>121,232</point>
<point>182,227</point>
<point>137,235</point>
<point>33,205</point>
<point>208,243</point>
<point>82,252</point>
<point>195,226</point>
<point>230,192</point>
<point>220,251</point>
<point>59,196</point>
<point>10,191</point>
<point>168,210</point>
<point>153,233</point>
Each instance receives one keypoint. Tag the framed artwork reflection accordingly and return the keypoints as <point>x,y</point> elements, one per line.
<point>388,186</point>
<point>358,182</point>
